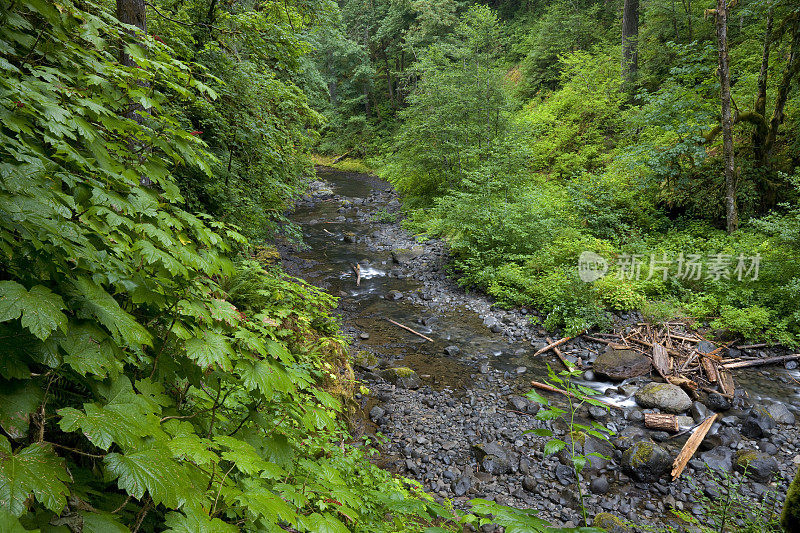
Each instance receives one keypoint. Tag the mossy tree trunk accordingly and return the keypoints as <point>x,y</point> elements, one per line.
<point>732,214</point>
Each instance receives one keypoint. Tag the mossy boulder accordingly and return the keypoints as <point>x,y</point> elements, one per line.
<point>790,518</point>
<point>402,256</point>
<point>646,461</point>
<point>610,523</point>
<point>619,364</point>
<point>586,445</point>
<point>365,360</point>
<point>402,376</point>
<point>664,396</point>
<point>756,465</point>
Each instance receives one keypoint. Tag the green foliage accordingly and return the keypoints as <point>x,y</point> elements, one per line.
<point>577,395</point>
<point>149,379</point>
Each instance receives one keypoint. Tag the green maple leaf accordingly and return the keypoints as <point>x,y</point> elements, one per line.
<point>196,521</point>
<point>18,399</point>
<point>208,349</point>
<point>40,308</point>
<point>35,470</point>
<point>103,306</point>
<point>151,471</point>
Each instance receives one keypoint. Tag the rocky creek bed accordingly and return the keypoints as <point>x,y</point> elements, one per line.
<point>453,411</point>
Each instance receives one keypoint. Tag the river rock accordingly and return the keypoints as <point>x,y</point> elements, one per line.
<point>461,485</point>
<point>401,256</point>
<point>781,414</point>
<point>757,465</point>
<point>402,377</point>
<point>664,396</point>
<point>393,295</point>
<point>493,458</point>
<point>376,412</point>
<point>719,459</point>
<point>759,423</point>
<point>493,324</point>
<point>619,364</point>
<point>610,523</point>
<point>646,461</point>
<point>585,445</point>
<point>699,412</point>
<point>599,485</point>
<point>452,350</point>
<point>718,402</point>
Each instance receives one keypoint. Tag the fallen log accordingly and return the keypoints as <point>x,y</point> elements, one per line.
<point>339,158</point>
<point>661,360</point>
<point>751,346</point>
<point>553,345</point>
<point>569,366</point>
<point>765,361</point>
<point>550,388</point>
<point>710,368</point>
<point>691,446</point>
<point>417,333</point>
<point>661,421</point>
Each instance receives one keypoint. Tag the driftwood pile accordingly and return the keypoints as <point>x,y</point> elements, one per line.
<point>681,357</point>
<point>676,357</point>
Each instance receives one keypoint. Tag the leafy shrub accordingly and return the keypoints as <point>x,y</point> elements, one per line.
<point>617,294</point>
<point>747,322</point>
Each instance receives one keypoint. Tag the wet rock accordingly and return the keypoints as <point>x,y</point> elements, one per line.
<point>493,324</point>
<point>589,375</point>
<point>586,445</point>
<point>705,347</point>
<point>493,458</point>
<point>402,377</point>
<point>718,402</point>
<point>401,256</point>
<point>483,368</point>
<point>461,485</point>
<point>790,365</point>
<point>364,360</point>
<point>664,396</point>
<point>719,459</point>
<point>452,350</point>
<point>565,474</point>
<point>599,485</point>
<point>598,413</point>
<point>393,295</point>
<point>363,335</point>
<point>756,465</point>
<point>698,411</point>
<point>759,423</point>
<point>610,523</point>
<point>781,414</point>
<point>349,237</point>
<point>646,461</point>
<point>529,483</point>
<point>621,364</point>
<point>376,412</point>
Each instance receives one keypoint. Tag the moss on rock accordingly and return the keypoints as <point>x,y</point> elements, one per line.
<point>611,523</point>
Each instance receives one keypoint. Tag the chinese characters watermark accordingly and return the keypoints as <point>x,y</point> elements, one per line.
<point>689,266</point>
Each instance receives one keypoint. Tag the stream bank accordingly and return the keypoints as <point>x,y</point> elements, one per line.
<point>457,424</point>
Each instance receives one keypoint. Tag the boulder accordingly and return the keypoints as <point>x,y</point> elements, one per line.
<point>452,350</point>
<point>585,445</point>
<point>610,523</point>
<point>646,461</point>
<point>619,364</point>
<point>759,423</point>
<point>402,377</point>
<point>718,402</point>
<point>719,459</point>
<point>781,414</point>
<point>664,396</point>
<point>401,256</point>
<point>756,465</point>
<point>493,458</point>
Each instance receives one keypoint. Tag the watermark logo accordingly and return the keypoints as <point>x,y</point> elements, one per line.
<point>591,266</point>
<point>684,266</point>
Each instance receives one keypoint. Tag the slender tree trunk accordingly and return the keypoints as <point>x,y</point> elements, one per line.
<point>687,7</point>
<point>789,72</point>
<point>759,137</point>
<point>630,36</point>
<point>727,126</point>
<point>133,13</point>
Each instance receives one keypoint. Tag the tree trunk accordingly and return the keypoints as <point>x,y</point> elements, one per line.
<point>727,126</point>
<point>131,12</point>
<point>759,137</point>
<point>789,72</point>
<point>630,36</point>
